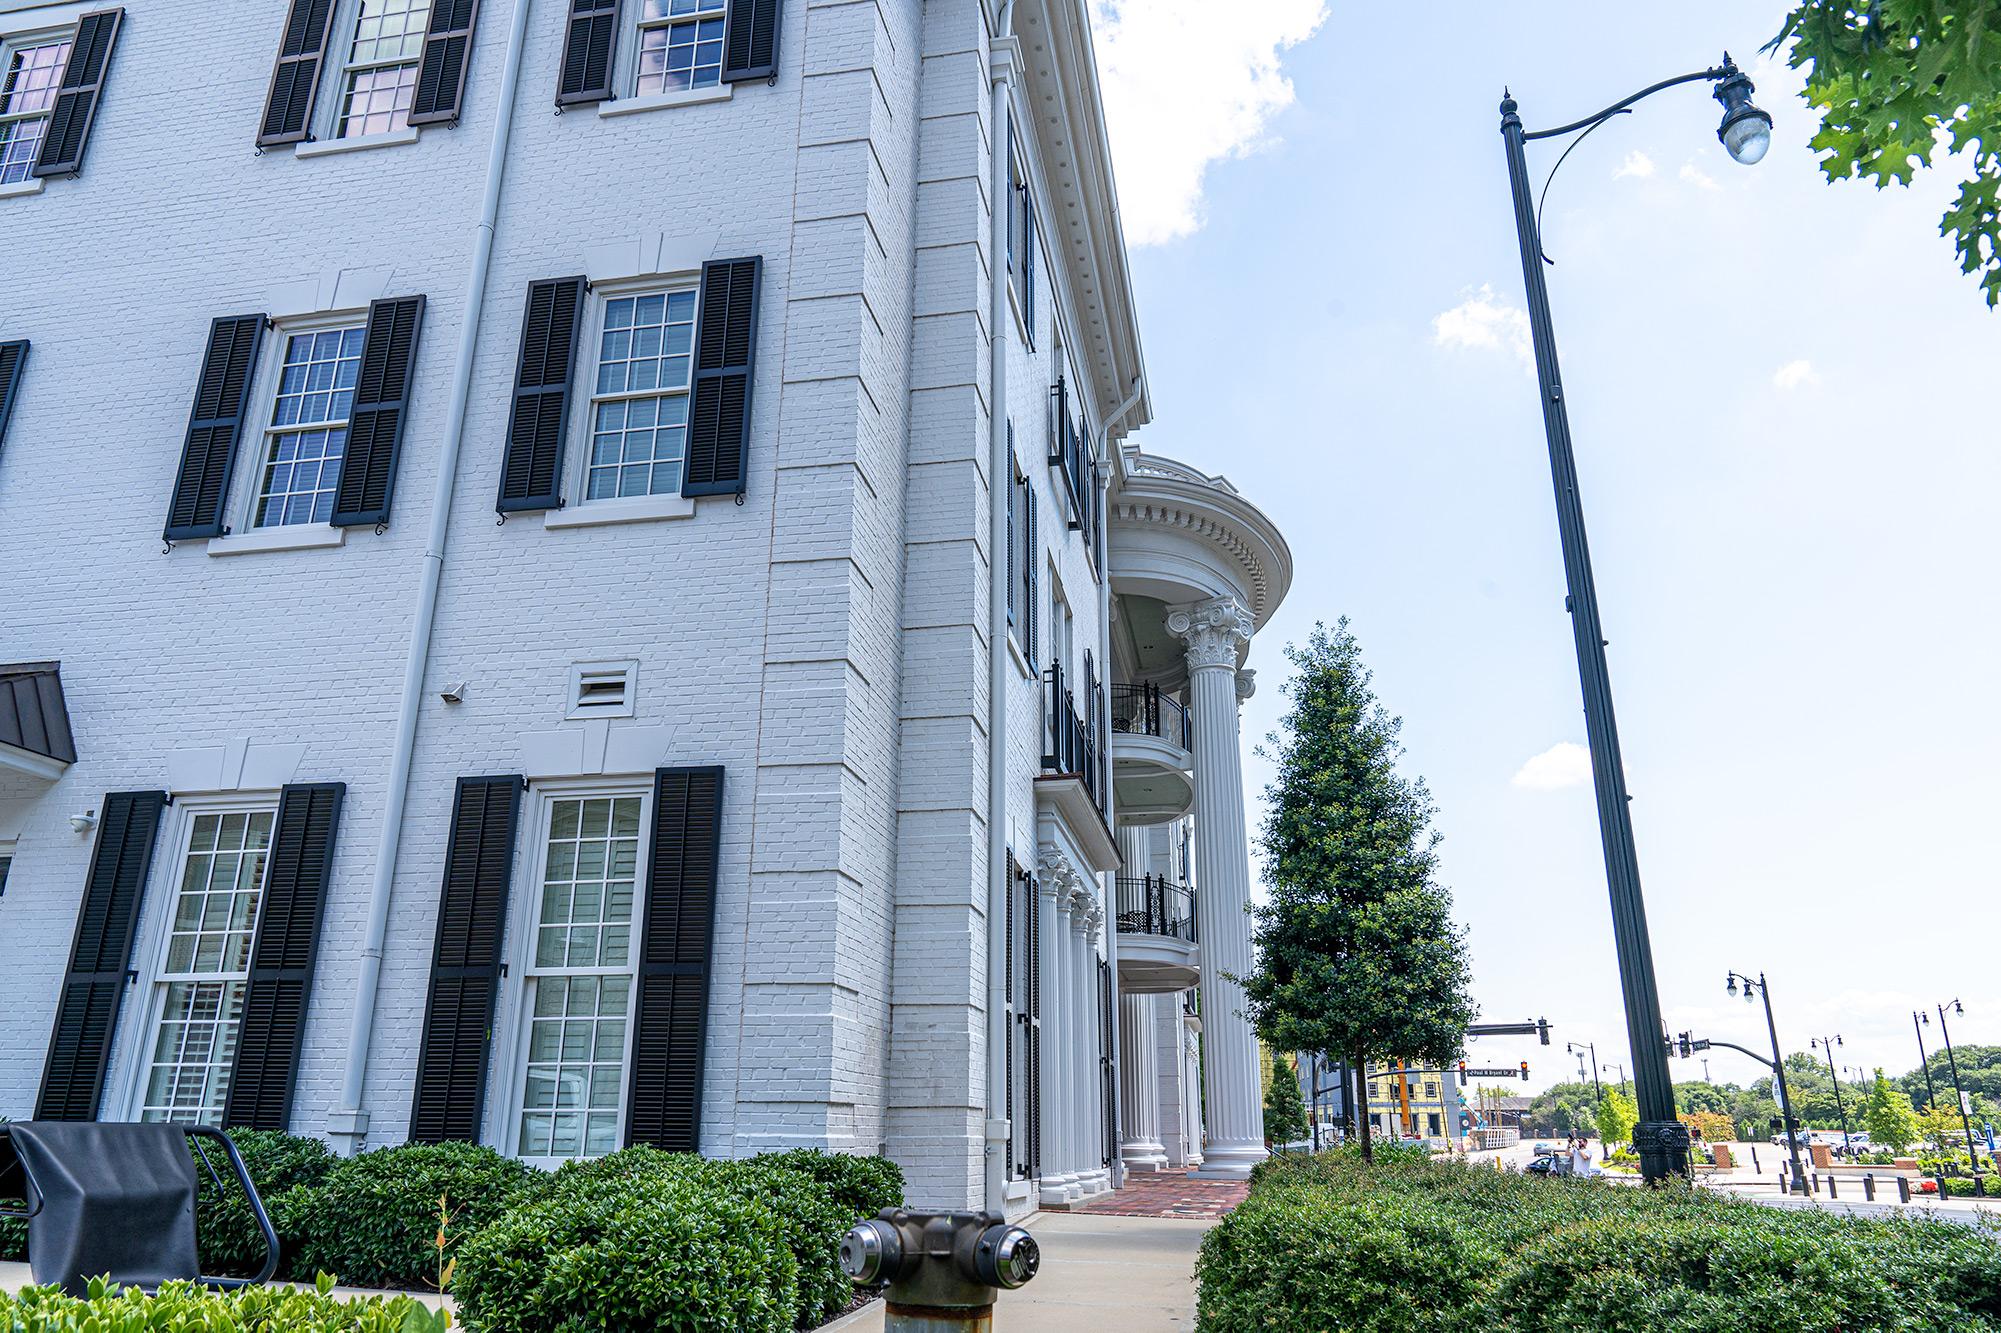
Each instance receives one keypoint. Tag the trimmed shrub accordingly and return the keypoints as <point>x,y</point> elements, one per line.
<point>630,1250</point>
<point>182,1305</point>
<point>225,1232</point>
<point>372,1220</point>
<point>809,1219</point>
<point>1326,1242</point>
<point>862,1186</point>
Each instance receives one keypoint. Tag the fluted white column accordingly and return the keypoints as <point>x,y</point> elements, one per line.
<point>1139,1047</point>
<point>1084,1049</point>
<point>1055,1038</point>
<point>1214,632</point>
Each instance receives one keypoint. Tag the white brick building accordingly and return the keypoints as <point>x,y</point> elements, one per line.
<point>558,709</point>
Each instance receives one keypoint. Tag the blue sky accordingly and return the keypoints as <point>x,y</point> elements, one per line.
<point>1782,394</point>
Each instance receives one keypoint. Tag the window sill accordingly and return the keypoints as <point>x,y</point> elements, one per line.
<point>639,509</point>
<point>632,106</point>
<point>361,142</point>
<point>32,185</point>
<point>292,537</point>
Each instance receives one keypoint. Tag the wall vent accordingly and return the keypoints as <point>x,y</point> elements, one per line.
<point>602,689</point>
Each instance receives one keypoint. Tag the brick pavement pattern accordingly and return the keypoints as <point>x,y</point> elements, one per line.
<point>1170,1194</point>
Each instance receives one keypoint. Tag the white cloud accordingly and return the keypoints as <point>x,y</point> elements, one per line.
<point>1793,374</point>
<point>1184,89</point>
<point>1637,165</point>
<point>1565,764</point>
<point>1483,320</point>
<point>1696,176</point>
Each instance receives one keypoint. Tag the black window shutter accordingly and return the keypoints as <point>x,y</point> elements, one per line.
<point>664,1102</point>
<point>725,356</point>
<point>77,95</point>
<point>381,401</point>
<point>295,78</point>
<point>441,75</point>
<point>465,962</point>
<point>1013,522</point>
<point>531,475</point>
<point>282,956</point>
<point>588,48</point>
<point>13,360</point>
<point>1028,262</point>
<point>1031,559</point>
<point>87,1013</point>
<point>202,487</point>
<point>750,41</point>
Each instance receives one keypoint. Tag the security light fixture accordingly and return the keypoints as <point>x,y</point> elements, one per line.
<point>85,822</point>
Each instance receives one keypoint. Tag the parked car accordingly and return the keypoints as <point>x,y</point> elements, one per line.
<point>1805,1139</point>
<point>1550,1163</point>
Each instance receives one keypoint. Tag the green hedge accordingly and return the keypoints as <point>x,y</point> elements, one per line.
<point>183,1308</point>
<point>630,1254</point>
<point>372,1220</point>
<point>226,1234</point>
<point>1328,1242</point>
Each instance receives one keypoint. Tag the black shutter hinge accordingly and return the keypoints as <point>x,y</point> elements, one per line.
<point>503,969</point>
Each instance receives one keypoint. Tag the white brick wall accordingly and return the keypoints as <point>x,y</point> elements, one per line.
<point>824,641</point>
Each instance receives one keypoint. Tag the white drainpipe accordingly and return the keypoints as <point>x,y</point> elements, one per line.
<point>1001,57</point>
<point>349,1122</point>
<point>1110,891</point>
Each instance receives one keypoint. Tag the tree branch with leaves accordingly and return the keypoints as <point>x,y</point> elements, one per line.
<point>1894,82</point>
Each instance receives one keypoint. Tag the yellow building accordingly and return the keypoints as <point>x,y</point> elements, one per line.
<point>1414,1102</point>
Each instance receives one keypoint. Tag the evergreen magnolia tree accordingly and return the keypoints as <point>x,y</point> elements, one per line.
<point>1892,1121</point>
<point>1357,950</point>
<point>1285,1109</point>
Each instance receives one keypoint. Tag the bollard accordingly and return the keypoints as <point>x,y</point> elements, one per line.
<point>1830,1187</point>
<point>1980,1187</point>
<point>942,1269</point>
<point>1815,1178</point>
<point>1869,1186</point>
<point>1903,1189</point>
<point>1939,1177</point>
<point>1755,1168</point>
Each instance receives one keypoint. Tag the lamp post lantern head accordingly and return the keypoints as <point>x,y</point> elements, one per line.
<point>1733,983</point>
<point>1746,131</point>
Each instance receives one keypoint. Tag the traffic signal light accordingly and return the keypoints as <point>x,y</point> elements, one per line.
<point>1687,1046</point>
<point>1525,1071</point>
<point>1542,1029</point>
<point>1462,1071</point>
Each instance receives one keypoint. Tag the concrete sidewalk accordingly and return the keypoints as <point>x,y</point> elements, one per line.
<point>1099,1273</point>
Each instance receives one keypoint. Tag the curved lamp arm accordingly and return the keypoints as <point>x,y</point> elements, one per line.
<point>1714,74</point>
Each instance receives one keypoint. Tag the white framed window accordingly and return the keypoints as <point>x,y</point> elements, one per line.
<point>581,977</point>
<point>6,865</point>
<point>31,67</point>
<point>638,421</point>
<point>680,46</point>
<point>379,75</point>
<point>312,394</point>
<point>204,966</point>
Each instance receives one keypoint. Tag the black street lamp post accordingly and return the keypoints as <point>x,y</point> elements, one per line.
<point>1753,989</point>
<point>1924,1061</point>
<point>1660,1139</point>
<point>1597,1088</point>
<point>1827,1049</point>
<point>1952,1063</point>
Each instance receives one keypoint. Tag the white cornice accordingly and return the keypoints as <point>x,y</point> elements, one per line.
<point>1060,91</point>
<point>1167,496</point>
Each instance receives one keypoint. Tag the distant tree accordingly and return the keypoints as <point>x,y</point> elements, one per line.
<point>1709,1126</point>
<point>1357,950</point>
<point>1285,1109</point>
<point>1617,1116</point>
<point>1565,1109</point>
<point>1691,1097</point>
<point>1939,1122</point>
<point>1894,82</point>
<point>1892,1122</point>
<point>1979,1074</point>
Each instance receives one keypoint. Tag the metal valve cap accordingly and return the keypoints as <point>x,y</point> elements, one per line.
<point>1007,1257</point>
<point>868,1249</point>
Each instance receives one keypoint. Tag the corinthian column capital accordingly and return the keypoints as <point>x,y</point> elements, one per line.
<point>1214,631</point>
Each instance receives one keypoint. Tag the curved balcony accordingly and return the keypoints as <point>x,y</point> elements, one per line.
<point>1157,948</point>
<point>1152,763</point>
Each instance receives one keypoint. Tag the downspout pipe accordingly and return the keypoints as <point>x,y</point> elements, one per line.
<point>1109,892</point>
<point>349,1121</point>
<point>1001,56</point>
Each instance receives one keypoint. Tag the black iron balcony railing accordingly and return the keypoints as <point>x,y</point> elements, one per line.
<point>1155,905</point>
<point>1071,743</point>
<point>1142,710</point>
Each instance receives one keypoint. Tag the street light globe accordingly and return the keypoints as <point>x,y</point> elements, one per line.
<point>1748,137</point>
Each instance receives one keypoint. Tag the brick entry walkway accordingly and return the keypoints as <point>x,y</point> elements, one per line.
<point>1170,1194</point>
